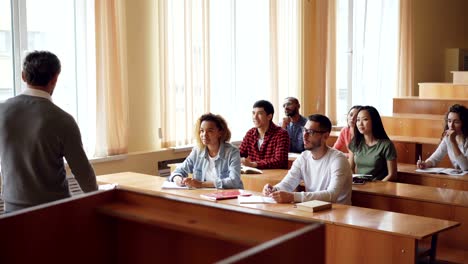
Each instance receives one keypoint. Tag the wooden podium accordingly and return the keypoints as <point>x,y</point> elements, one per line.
<point>119,226</point>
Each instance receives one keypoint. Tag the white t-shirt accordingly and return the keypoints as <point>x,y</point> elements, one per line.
<point>211,173</point>
<point>327,179</point>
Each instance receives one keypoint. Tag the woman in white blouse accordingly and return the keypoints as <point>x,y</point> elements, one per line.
<point>454,140</point>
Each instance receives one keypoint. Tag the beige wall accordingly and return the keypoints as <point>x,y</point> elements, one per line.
<point>142,71</point>
<point>438,24</point>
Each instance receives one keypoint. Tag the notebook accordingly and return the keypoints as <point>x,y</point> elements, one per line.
<point>448,171</point>
<point>250,170</point>
<point>226,194</point>
<point>254,199</point>
<point>172,185</point>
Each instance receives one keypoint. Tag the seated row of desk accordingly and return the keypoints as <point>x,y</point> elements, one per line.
<point>352,234</point>
<point>430,201</point>
<point>121,226</point>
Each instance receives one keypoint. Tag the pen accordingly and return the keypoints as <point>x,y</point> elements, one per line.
<point>420,159</point>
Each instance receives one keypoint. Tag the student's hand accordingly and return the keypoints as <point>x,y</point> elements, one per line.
<point>192,183</point>
<point>452,135</point>
<point>286,121</point>
<point>423,164</point>
<point>247,162</point>
<point>178,180</point>
<point>282,197</point>
<point>268,189</point>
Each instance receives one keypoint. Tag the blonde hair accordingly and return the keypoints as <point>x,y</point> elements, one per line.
<point>220,123</point>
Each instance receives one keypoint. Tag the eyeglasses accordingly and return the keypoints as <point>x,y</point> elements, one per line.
<point>312,132</point>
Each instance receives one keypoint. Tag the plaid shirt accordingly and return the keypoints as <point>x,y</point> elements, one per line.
<point>273,153</point>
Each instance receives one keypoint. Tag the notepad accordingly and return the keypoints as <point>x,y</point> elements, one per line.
<point>448,171</point>
<point>314,206</point>
<point>250,170</point>
<point>172,185</point>
<point>226,194</point>
<point>255,199</point>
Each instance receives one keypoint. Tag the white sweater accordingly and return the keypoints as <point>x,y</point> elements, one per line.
<point>327,179</point>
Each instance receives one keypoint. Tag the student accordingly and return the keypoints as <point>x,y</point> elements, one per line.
<point>347,132</point>
<point>214,162</point>
<point>453,141</point>
<point>35,136</point>
<point>325,171</point>
<point>266,145</point>
<point>371,151</point>
<point>293,122</point>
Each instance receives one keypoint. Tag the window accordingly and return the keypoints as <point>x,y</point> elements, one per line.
<point>222,56</point>
<point>64,27</point>
<point>367,54</point>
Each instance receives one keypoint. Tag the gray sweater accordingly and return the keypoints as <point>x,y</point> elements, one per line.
<point>35,135</point>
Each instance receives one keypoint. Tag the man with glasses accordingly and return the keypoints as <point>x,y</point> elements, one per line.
<point>265,146</point>
<point>325,171</point>
<point>293,122</point>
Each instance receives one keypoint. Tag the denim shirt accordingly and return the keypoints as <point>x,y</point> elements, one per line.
<point>296,141</point>
<point>227,166</point>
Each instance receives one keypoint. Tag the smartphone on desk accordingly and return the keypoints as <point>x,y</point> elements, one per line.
<point>357,180</point>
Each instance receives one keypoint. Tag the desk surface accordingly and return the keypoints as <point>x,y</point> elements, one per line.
<point>410,169</point>
<point>415,192</point>
<point>412,226</point>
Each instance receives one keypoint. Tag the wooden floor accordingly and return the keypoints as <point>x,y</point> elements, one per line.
<point>72,184</point>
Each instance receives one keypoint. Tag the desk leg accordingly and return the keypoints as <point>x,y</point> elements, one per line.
<point>433,249</point>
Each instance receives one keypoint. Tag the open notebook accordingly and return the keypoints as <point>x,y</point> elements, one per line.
<point>448,171</point>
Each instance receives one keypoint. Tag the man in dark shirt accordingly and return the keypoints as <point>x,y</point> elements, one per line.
<point>35,136</point>
<point>293,122</point>
<point>266,145</point>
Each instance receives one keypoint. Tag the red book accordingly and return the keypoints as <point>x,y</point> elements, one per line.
<point>226,194</point>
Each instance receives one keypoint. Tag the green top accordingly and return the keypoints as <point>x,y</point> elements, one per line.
<point>373,160</point>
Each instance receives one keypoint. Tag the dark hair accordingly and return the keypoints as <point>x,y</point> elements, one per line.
<point>325,123</point>
<point>40,67</point>
<point>462,112</point>
<point>220,123</point>
<point>267,106</point>
<point>351,109</point>
<point>378,130</point>
<point>294,99</point>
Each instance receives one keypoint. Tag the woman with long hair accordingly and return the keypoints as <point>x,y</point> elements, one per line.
<point>453,141</point>
<point>347,132</point>
<point>371,150</point>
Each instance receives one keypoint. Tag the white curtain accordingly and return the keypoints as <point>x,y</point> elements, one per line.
<point>375,53</point>
<point>111,79</point>
<point>222,56</point>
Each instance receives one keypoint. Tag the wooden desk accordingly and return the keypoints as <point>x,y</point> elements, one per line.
<point>407,174</point>
<point>255,182</point>
<point>420,200</point>
<point>389,237</point>
<point>120,226</point>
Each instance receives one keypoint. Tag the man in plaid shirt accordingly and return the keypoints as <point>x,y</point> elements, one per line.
<point>266,145</point>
